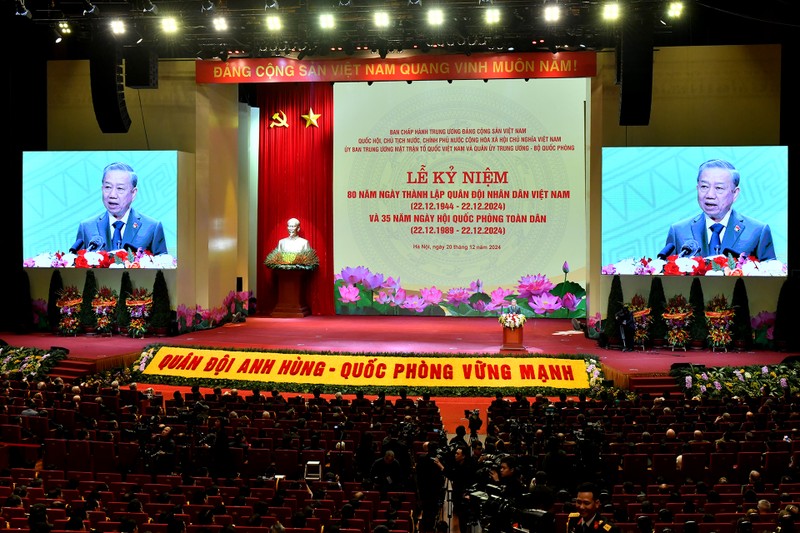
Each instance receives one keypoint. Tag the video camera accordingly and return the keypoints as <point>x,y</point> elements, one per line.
<point>497,514</point>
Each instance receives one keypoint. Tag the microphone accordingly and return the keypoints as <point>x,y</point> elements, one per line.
<point>77,246</point>
<point>728,251</point>
<point>95,244</point>
<point>666,251</point>
<point>690,248</point>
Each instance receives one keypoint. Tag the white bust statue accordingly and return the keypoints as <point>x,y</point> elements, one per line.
<point>293,243</point>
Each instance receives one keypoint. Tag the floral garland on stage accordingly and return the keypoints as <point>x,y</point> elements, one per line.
<point>69,304</point>
<point>512,320</point>
<point>719,317</point>
<point>641,319</point>
<point>104,302</point>
<point>678,316</point>
<point>139,304</point>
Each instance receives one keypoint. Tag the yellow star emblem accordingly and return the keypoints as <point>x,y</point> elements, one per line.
<point>311,118</point>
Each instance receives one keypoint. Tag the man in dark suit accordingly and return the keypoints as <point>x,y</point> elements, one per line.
<point>120,226</point>
<point>719,229</point>
<point>514,308</point>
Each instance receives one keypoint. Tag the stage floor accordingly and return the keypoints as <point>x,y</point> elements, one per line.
<point>407,334</point>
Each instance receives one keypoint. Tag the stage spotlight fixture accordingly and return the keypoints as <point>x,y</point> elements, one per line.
<point>611,11</point>
<point>381,19</point>
<point>345,3</point>
<point>57,37</point>
<point>150,7</point>
<point>22,11</point>
<point>485,2</point>
<point>117,26</point>
<point>492,15</point>
<point>675,9</point>
<point>220,23</point>
<point>301,55</point>
<point>415,3</point>
<point>169,25</point>
<point>89,9</point>
<point>274,23</point>
<point>206,6</point>
<point>271,4</point>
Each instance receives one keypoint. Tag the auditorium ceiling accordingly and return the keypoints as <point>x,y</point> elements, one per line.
<point>522,26</point>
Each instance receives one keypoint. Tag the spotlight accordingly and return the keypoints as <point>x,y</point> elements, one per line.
<point>415,3</point>
<point>57,38</point>
<point>345,3</point>
<point>22,11</point>
<point>271,4</point>
<point>206,6</point>
<point>485,2</point>
<point>150,7</point>
<point>301,55</point>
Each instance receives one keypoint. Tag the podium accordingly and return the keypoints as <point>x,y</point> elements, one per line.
<point>512,340</point>
<point>291,294</point>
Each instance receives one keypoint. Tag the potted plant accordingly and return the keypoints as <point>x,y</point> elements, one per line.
<point>719,317</point>
<point>784,316</point>
<point>53,311</point>
<point>678,317</point>
<point>123,318</point>
<point>161,313</point>
<point>742,330</point>
<point>615,301</point>
<point>657,302</point>
<point>699,329</point>
<point>87,316</point>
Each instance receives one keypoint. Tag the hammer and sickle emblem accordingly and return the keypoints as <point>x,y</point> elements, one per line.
<point>279,120</point>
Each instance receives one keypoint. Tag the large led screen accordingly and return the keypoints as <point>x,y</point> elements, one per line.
<point>459,199</point>
<point>708,210</point>
<point>100,209</point>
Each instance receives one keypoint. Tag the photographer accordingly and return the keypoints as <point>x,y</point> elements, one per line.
<point>474,423</point>
<point>430,486</point>
<point>509,480</point>
<point>461,473</point>
<point>626,327</point>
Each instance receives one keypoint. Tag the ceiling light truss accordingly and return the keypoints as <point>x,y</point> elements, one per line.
<point>406,26</point>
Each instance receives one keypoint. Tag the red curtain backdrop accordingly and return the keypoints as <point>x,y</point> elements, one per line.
<point>295,179</point>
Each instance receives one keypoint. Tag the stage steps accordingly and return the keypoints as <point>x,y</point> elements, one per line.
<point>655,385</point>
<point>72,370</point>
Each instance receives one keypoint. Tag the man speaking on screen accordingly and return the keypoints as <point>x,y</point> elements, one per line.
<point>120,226</point>
<point>719,229</point>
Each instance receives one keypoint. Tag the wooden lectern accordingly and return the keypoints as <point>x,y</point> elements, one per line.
<point>512,340</point>
<point>291,294</point>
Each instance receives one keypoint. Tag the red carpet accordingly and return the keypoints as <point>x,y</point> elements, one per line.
<point>399,335</point>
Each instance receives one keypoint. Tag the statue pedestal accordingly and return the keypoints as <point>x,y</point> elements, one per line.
<point>512,340</point>
<point>291,294</point>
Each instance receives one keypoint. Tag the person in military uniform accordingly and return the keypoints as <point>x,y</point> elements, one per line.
<point>587,519</point>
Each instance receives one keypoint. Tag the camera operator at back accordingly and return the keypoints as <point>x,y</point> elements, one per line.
<point>588,519</point>
<point>460,470</point>
<point>509,479</point>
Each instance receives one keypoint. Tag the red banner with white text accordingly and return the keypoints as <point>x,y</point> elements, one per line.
<point>416,68</point>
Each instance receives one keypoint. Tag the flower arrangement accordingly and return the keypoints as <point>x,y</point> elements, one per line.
<point>69,305</point>
<point>360,291</point>
<point>719,317</point>
<point>763,325</point>
<point>40,318</point>
<point>512,320</point>
<point>745,381</point>
<point>104,303</point>
<point>305,260</point>
<point>139,304</point>
<point>641,319</point>
<point>678,316</point>
<point>719,265</point>
<point>102,259</point>
<point>30,362</point>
